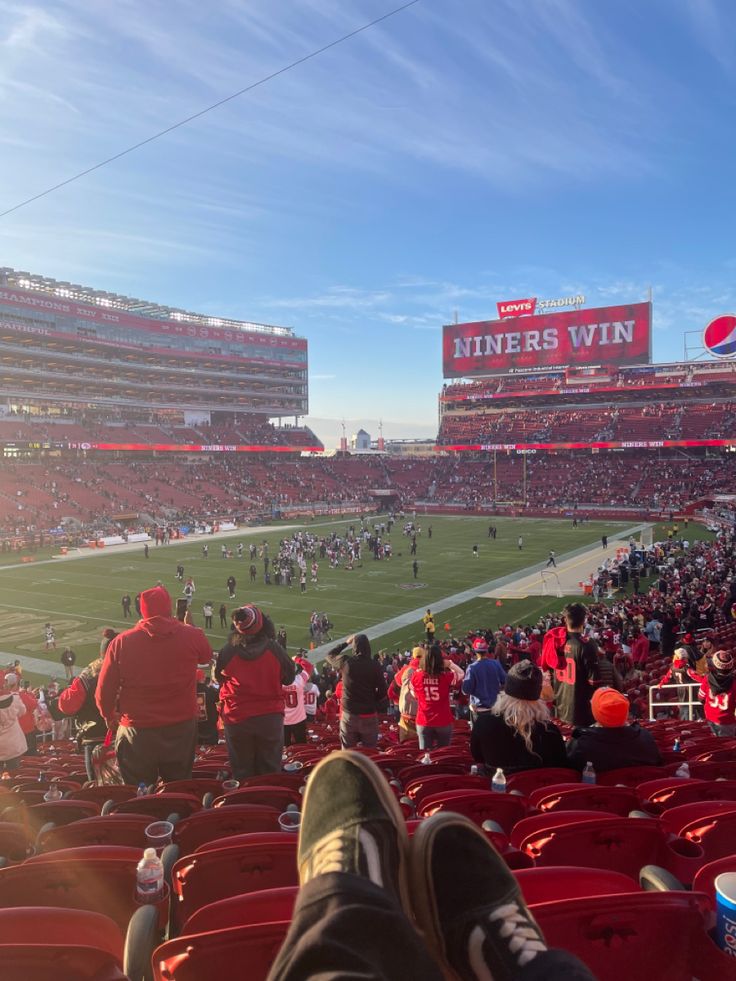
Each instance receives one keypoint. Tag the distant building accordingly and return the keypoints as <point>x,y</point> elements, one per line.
<point>360,440</point>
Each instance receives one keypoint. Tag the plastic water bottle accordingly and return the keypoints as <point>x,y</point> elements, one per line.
<point>149,877</point>
<point>683,772</point>
<point>54,793</point>
<point>676,746</point>
<point>426,759</point>
<point>142,790</point>
<point>474,770</point>
<point>498,784</point>
<point>589,773</point>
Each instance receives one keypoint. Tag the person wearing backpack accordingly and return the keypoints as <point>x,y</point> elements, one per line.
<point>401,693</point>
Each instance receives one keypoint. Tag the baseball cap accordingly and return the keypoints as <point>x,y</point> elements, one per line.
<point>479,645</point>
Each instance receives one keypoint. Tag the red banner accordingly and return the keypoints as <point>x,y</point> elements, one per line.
<point>599,336</point>
<point>640,444</point>
<point>516,308</point>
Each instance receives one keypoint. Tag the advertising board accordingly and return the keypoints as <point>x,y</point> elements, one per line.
<point>608,336</point>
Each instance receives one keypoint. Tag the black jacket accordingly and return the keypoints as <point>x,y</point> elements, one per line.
<point>363,684</point>
<point>494,743</point>
<point>611,748</point>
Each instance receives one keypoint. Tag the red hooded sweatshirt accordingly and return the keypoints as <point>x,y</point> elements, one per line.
<point>553,649</point>
<point>149,675</point>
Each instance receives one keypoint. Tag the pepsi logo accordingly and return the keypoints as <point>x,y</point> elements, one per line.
<point>719,337</point>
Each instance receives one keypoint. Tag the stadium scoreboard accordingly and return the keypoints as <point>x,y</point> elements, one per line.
<point>605,336</point>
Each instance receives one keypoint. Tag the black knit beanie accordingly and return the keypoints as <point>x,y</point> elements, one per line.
<point>524,681</point>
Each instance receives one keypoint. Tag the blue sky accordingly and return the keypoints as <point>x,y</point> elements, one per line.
<point>464,152</point>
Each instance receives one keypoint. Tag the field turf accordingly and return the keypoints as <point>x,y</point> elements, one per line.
<point>81,597</point>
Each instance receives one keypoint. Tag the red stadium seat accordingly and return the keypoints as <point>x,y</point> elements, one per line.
<point>159,806</point>
<point>547,885</point>
<point>638,936</point>
<point>610,842</point>
<point>100,881</point>
<point>677,818</point>
<point>217,954</point>
<point>291,780</point>
<point>479,806</point>
<point>713,771</point>
<point>715,834</point>
<point>39,962</point>
<point>677,792</point>
<point>61,812</point>
<point>706,875</point>
<point>630,776</point>
<point>222,822</point>
<point>266,906</point>
<point>15,841</point>
<point>250,839</point>
<point>423,786</point>
<point>100,795</point>
<point>278,797</point>
<point>59,927</point>
<point>205,877</point>
<point>112,829</point>
<point>193,788</point>
<point>530,780</point>
<point>584,797</point>
<point>408,773</point>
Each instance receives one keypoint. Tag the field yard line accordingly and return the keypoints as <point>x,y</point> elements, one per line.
<point>415,616</point>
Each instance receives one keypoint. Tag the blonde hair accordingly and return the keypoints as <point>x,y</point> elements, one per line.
<point>521,715</point>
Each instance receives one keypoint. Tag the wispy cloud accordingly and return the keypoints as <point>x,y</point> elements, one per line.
<point>713,32</point>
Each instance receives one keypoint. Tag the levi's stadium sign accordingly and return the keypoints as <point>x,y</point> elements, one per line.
<point>607,336</point>
<point>520,308</point>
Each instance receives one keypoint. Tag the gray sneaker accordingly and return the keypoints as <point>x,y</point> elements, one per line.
<point>352,823</point>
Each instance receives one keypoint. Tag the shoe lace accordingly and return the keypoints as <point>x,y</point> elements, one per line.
<point>329,853</point>
<point>516,928</point>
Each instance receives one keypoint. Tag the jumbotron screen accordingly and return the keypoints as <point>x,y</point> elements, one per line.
<point>606,336</point>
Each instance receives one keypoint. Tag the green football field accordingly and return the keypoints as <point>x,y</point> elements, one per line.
<point>81,597</point>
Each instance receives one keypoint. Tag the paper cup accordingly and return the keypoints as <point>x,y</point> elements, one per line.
<point>158,835</point>
<point>725,912</point>
<point>290,821</point>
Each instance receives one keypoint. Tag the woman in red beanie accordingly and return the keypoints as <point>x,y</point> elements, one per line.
<point>251,668</point>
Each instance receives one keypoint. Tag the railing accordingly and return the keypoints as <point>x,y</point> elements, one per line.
<point>688,704</point>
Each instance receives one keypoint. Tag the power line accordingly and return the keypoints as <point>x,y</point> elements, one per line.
<point>215,105</point>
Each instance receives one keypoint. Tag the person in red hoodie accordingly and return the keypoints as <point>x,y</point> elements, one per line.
<point>639,648</point>
<point>251,669</point>
<point>148,681</point>
<point>408,721</point>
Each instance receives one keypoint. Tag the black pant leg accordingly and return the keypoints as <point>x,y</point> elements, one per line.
<point>345,928</point>
<point>241,750</point>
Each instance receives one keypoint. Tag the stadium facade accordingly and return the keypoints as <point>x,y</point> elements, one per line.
<point>71,353</point>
